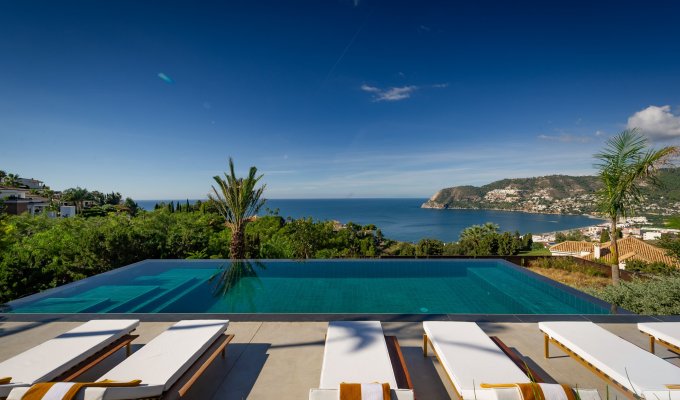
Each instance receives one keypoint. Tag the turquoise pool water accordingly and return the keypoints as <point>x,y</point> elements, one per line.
<point>319,286</point>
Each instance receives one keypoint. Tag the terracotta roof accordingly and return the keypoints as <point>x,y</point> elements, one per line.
<point>572,246</point>
<point>635,249</point>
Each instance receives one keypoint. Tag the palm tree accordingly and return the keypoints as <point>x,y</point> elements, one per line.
<point>238,201</point>
<point>12,180</point>
<point>626,164</point>
<point>3,174</point>
<point>78,196</point>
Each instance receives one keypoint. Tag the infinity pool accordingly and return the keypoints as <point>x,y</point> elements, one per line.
<point>319,286</point>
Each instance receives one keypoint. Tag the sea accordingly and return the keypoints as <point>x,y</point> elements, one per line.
<point>404,220</point>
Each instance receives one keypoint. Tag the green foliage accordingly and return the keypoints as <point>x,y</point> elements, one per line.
<point>655,268</point>
<point>429,247</point>
<point>404,249</point>
<point>237,200</point>
<point>673,222</point>
<point>574,235</point>
<point>671,243</point>
<point>655,296</point>
<point>40,253</point>
<point>567,264</point>
<point>486,240</point>
<point>604,236</point>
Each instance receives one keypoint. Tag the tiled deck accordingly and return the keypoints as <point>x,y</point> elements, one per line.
<point>282,360</point>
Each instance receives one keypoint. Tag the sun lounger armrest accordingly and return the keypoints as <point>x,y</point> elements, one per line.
<point>332,394</point>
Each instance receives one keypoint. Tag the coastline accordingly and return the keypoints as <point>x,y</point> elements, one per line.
<point>507,209</point>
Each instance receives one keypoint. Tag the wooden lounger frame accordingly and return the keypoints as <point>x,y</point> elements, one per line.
<point>401,374</point>
<point>546,349</point>
<point>180,388</point>
<point>653,340</point>
<point>512,355</point>
<point>96,358</point>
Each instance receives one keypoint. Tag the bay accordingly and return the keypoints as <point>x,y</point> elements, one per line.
<point>404,220</point>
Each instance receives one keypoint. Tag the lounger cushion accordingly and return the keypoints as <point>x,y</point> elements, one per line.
<point>356,352</point>
<point>162,361</point>
<point>470,358</point>
<point>54,357</point>
<point>661,395</point>
<point>669,332</point>
<point>332,394</point>
<point>634,368</point>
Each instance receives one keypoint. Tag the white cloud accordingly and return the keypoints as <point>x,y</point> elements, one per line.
<point>599,133</point>
<point>396,93</point>
<point>658,123</point>
<point>566,138</point>
<point>371,89</point>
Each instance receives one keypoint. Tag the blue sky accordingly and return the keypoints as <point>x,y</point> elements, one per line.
<point>346,98</point>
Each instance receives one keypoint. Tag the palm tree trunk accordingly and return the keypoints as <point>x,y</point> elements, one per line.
<point>615,253</point>
<point>237,248</point>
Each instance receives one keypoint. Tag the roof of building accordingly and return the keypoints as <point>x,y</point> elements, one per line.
<point>572,246</point>
<point>635,249</point>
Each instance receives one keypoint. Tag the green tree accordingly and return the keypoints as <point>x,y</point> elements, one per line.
<point>429,247</point>
<point>78,196</point>
<point>624,166</point>
<point>237,200</point>
<point>11,180</point>
<point>604,236</point>
<point>479,240</point>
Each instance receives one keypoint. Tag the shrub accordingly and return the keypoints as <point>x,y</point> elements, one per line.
<point>655,268</point>
<point>566,264</point>
<point>655,296</point>
<point>429,247</point>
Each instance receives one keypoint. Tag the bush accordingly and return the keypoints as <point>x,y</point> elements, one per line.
<point>655,268</point>
<point>655,296</point>
<point>566,264</point>
<point>429,247</point>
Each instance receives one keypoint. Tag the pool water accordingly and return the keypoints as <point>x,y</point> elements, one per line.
<point>319,286</point>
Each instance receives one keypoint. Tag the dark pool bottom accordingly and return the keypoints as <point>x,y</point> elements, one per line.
<point>314,287</point>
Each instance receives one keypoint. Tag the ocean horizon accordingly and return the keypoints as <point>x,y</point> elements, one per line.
<point>402,218</point>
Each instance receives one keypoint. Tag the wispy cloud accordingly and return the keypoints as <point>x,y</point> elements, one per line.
<point>567,138</point>
<point>658,123</point>
<point>398,92</point>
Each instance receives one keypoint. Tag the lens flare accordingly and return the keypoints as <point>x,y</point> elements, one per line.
<point>165,78</point>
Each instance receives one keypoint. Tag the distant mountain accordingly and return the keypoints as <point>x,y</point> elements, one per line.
<point>559,194</point>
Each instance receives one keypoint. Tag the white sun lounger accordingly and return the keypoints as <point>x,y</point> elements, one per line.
<point>162,362</point>
<point>62,355</point>
<point>471,358</point>
<point>666,333</point>
<point>621,363</point>
<point>357,352</point>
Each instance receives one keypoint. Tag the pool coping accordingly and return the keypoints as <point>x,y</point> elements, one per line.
<point>272,317</point>
<point>494,318</point>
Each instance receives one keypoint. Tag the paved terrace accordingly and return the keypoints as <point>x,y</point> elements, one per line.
<point>282,360</point>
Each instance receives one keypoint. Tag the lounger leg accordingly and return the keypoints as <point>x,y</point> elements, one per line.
<point>424,345</point>
<point>651,344</point>
<point>546,344</point>
<point>224,353</point>
<point>127,350</point>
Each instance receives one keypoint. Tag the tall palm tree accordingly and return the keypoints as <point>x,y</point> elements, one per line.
<point>238,201</point>
<point>626,164</point>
